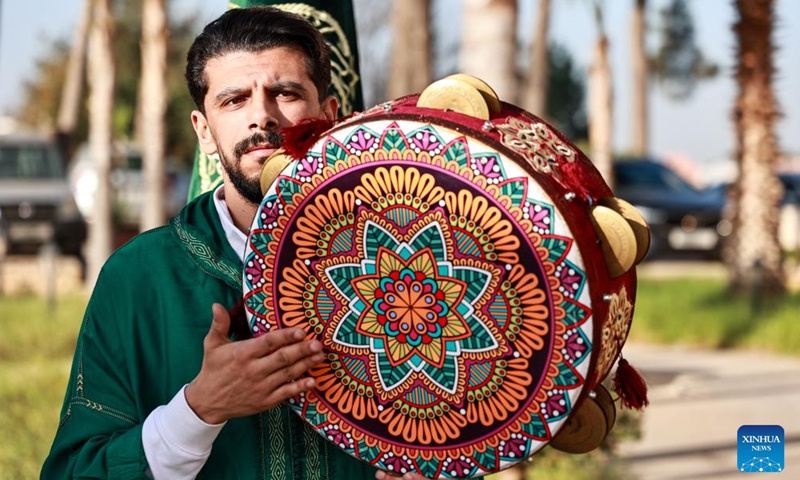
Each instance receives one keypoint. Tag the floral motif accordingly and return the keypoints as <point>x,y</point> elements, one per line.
<point>339,438</point>
<point>615,330</point>
<point>461,467</point>
<point>363,141</point>
<point>426,140</point>
<point>556,405</point>
<point>540,215</point>
<point>488,166</point>
<point>397,464</point>
<point>536,142</point>
<point>571,279</point>
<point>576,347</point>
<point>309,166</point>
<point>410,310</point>
<point>514,447</point>
<point>410,306</point>
<point>254,271</point>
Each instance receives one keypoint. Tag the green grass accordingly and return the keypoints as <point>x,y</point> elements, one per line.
<point>700,312</point>
<point>36,349</point>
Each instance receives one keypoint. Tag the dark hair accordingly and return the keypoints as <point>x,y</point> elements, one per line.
<point>255,29</point>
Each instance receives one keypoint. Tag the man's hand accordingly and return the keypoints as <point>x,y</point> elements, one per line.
<point>242,378</point>
<point>381,475</point>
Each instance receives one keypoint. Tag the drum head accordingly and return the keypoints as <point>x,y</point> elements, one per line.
<point>448,291</point>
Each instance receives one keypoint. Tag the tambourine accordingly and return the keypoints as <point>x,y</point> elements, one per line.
<point>468,271</point>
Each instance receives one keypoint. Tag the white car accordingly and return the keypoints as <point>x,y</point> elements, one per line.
<point>127,185</point>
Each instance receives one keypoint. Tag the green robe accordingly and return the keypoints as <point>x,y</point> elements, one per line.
<point>142,340</point>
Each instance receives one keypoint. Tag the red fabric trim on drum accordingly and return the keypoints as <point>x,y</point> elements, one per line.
<point>299,138</point>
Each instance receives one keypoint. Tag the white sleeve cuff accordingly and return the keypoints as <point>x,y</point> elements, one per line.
<point>176,441</point>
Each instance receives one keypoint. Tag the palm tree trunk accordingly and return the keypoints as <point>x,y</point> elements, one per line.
<point>753,252</point>
<point>535,95</point>
<point>489,44</point>
<point>601,108</point>
<point>101,100</point>
<point>153,108</point>
<point>639,127</point>
<point>68,110</point>
<point>410,69</point>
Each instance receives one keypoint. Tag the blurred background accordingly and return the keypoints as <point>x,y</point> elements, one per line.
<point>689,109</point>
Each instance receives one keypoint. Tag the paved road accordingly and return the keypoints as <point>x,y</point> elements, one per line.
<point>698,401</point>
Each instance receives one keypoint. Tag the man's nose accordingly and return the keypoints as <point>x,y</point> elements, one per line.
<point>264,115</point>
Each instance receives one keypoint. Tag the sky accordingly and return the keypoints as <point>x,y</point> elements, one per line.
<point>699,128</point>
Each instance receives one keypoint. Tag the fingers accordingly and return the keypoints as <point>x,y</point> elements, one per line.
<point>273,341</point>
<point>289,390</point>
<point>277,373</point>
<point>220,323</point>
<point>288,363</point>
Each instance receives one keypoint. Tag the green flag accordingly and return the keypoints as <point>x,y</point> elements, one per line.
<point>337,24</point>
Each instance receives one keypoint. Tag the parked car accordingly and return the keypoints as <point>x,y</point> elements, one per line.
<point>791,188</point>
<point>681,217</point>
<point>36,205</point>
<point>127,185</point>
<point>789,226</point>
<point>789,215</point>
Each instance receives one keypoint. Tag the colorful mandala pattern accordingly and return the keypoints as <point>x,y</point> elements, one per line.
<point>447,292</point>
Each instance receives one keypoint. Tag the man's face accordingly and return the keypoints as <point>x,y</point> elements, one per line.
<point>250,96</point>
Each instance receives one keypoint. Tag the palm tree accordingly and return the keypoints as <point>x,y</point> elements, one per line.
<point>753,252</point>
<point>153,108</point>
<point>69,108</point>
<point>410,69</point>
<point>489,44</point>
<point>601,97</point>
<point>639,125</point>
<point>535,95</point>
<point>101,100</point>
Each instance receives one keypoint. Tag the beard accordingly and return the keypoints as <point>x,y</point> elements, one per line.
<point>249,188</point>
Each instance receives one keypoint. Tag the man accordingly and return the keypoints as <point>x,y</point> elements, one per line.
<point>153,392</point>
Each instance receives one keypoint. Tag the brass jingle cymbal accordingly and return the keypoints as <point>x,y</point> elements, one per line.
<point>272,169</point>
<point>454,95</point>
<point>584,430</point>
<point>606,403</point>
<point>641,230</point>
<point>617,240</point>
<point>488,93</point>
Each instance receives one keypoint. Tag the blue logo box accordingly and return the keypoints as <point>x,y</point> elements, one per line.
<point>760,449</point>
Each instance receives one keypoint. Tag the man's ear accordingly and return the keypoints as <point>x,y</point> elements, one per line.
<point>203,132</point>
<point>330,107</point>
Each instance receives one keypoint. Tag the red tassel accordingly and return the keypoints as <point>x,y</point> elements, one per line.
<point>239,329</point>
<point>300,137</point>
<point>630,386</point>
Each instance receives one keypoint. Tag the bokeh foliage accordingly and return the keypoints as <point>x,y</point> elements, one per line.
<point>41,93</point>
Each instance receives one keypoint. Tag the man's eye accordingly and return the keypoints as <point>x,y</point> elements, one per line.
<point>233,101</point>
<point>287,94</point>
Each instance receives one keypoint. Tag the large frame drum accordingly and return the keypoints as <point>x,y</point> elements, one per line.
<point>453,271</point>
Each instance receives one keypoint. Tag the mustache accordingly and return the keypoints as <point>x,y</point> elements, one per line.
<point>271,137</point>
